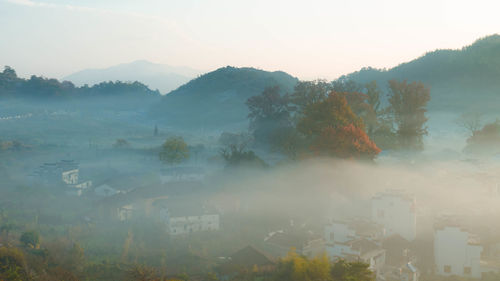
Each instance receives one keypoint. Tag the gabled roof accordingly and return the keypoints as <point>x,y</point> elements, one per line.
<point>363,246</point>
<point>249,256</point>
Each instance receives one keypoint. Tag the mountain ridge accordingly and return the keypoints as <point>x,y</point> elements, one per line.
<point>456,77</point>
<point>156,76</point>
<point>218,98</point>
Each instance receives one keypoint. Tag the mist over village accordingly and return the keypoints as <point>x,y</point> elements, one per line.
<point>249,141</point>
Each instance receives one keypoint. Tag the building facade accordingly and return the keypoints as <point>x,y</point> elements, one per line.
<point>456,253</point>
<point>396,211</point>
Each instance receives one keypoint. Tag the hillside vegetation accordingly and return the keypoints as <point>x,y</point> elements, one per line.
<point>217,99</point>
<point>464,79</point>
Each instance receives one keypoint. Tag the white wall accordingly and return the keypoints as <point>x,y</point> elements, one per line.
<point>396,213</point>
<point>188,224</point>
<point>341,233</point>
<point>451,248</point>
<point>70,177</point>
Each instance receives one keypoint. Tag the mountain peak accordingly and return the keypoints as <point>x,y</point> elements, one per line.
<point>156,76</point>
<point>218,98</point>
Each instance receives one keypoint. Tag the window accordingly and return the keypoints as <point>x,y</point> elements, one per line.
<point>467,270</point>
<point>447,269</point>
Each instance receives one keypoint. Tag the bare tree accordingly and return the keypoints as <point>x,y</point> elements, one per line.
<point>471,122</point>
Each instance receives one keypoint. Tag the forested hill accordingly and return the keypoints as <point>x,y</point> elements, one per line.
<point>463,79</point>
<point>12,86</point>
<point>217,99</point>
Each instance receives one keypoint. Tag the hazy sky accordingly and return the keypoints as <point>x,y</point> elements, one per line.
<point>309,39</point>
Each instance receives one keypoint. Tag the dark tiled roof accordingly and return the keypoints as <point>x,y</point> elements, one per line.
<point>249,256</point>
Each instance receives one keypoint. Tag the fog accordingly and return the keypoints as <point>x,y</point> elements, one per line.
<point>246,174</point>
<point>124,225</point>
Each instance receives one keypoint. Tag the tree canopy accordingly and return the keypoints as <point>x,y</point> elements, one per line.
<point>174,150</point>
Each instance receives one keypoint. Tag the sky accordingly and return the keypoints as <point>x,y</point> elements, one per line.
<point>308,39</point>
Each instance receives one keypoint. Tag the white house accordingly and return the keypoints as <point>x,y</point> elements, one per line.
<point>359,249</point>
<point>355,240</point>
<point>396,211</point>
<point>71,176</point>
<point>342,231</point>
<point>182,174</point>
<point>125,212</point>
<point>179,224</point>
<point>456,252</point>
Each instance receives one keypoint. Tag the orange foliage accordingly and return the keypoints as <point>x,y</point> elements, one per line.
<point>332,112</point>
<point>345,142</point>
<point>335,130</point>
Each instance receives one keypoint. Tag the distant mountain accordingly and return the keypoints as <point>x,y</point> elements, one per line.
<point>45,89</point>
<point>217,99</point>
<point>465,79</point>
<point>165,78</point>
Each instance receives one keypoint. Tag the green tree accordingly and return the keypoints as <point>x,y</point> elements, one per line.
<point>351,271</point>
<point>270,117</point>
<point>295,267</point>
<point>121,143</point>
<point>408,103</point>
<point>372,115</point>
<point>486,140</point>
<point>306,93</point>
<point>30,239</point>
<point>12,264</point>
<point>6,228</point>
<point>237,156</point>
<point>174,151</point>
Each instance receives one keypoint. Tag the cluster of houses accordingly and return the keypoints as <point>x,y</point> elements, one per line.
<point>387,242</point>
<point>65,173</point>
<point>178,218</point>
<point>129,204</point>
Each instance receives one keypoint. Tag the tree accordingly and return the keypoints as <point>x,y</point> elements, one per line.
<point>355,271</point>
<point>372,114</point>
<point>298,268</point>
<point>30,239</point>
<point>345,85</point>
<point>143,273</point>
<point>9,73</point>
<point>6,228</point>
<point>373,93</point>
<point>76,258</point>
<point>471,122</point>
<point>308,92</point>
<point>332,112</point>
<point>408,103</point>
<point>238,139</point>
<point>345,142</point>
<point>334,130</point>
<point>121,143</point>
<point>485,140</point>
<point>12,264</point>
<point>269,116</point>
<point>238,156</point>
<point>174,151</point>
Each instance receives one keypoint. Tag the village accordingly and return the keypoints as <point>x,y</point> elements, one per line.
<point>399,237</point>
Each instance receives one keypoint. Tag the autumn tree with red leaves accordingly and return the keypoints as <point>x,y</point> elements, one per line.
<point>334,130</point>
<point>345,142</point>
